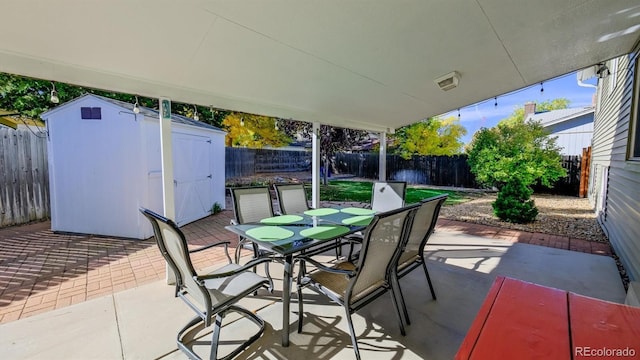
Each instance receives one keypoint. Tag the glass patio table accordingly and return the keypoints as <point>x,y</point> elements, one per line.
<point>293,235</point>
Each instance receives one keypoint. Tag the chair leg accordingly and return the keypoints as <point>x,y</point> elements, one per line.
<point>266,271</point>
<point>300,305</point>
<point>354,341</point>
<point>180,341</point>
<point>401,297</point>
<point>215,337</point>
<point>349,257</point>
<point>394,299</point>
<point>426,272</point>
<point>238,250</point>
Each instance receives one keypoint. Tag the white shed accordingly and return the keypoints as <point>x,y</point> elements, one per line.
<point>104,164</point>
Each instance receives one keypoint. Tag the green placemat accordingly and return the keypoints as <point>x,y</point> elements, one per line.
<point>358,220</point>
<point>269,233</point>
<point>357,211</point>
<point>281,220</point>
<point>324,232</point>
<point>321,212</point>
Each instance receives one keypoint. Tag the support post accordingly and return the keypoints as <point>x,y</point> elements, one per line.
<point>382,160</point>
<point>166,156</point>
<point>315,166</point>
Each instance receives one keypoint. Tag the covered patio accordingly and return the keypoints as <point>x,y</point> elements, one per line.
<point>348,64</point>
<point>141,321</point>
<point>353,65</point>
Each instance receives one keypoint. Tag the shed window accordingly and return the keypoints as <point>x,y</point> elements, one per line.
<point>634,129</point>
<point>91,113</point>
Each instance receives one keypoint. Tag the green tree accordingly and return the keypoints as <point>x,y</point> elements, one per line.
<point>332,140</point>
<point>512,156</point>
<point>254,131</point>
<point>31,97</point>
<point>433,136</point>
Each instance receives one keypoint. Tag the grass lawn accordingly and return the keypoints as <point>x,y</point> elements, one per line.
<point>361,191</point>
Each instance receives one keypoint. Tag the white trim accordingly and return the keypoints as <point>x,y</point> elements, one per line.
<point>634,115</point>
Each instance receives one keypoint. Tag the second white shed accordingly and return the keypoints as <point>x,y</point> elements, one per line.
<point>104,164</point>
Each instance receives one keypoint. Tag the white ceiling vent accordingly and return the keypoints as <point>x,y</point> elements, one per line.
<point>449,81</point>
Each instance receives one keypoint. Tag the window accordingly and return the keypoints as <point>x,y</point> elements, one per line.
<point>634,127</point>
<point>91,113</point>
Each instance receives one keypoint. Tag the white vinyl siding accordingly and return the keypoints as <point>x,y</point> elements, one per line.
<point>615,180</point>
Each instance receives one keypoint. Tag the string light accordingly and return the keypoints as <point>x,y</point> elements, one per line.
<point>195,113</point>
<point>54,95</point>
<point>541,84</point>
<point>136,108</point>
<point>495,101</point>
<point>242,121</point>
<point>458,113</point>
<point>275,122</point>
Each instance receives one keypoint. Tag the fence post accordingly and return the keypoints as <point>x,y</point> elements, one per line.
<point>585,167</point>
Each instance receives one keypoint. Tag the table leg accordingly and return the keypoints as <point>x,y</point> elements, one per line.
<point>286,298</point>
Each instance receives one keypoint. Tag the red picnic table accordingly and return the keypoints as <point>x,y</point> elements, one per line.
<point>522,320</point>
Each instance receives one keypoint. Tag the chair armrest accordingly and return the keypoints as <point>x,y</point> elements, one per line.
<point>201,278</point>
<point>354,238</point>
<point>349,273</point>
<point>233,222</point>
<point>225,243</point>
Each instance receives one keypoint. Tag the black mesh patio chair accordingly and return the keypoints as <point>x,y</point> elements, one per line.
<point>210,295</point>
<point>354,285</point>
<point>388,195</point>
<point>385,196</point>
<point>412,256</point>
<point>292,198</point>
<point>252,204</point>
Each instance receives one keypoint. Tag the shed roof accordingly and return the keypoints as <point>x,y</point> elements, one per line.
<point>152,113</point>
<point>553,117</point>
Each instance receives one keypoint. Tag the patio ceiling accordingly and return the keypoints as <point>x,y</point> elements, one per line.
<point>355,64</point>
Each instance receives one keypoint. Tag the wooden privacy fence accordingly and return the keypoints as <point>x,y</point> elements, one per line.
<point>428,170</point>
<point>247,162</point>
<point>24,177</point>
<point>568,185</point>
<point>444,171</point>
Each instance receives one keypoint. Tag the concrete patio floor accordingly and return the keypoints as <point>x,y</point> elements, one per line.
<point>141,322</point>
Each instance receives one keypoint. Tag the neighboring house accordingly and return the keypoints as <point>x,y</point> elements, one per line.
<point>614,181</point>
<point>104,164</point>
<point>573,127</point>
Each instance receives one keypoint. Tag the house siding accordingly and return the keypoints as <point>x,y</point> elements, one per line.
<point>615,181</point>
<point>573,135</point>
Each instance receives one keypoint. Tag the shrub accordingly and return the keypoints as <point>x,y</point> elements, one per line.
<point>216,208</point>
<point>514,203</point>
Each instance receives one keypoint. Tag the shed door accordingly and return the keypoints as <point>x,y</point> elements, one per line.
<point>193,180</point>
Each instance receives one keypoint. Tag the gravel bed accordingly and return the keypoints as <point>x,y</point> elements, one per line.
<point>557,215</point>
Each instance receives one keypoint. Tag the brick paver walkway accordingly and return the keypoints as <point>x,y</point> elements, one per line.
<point>41,271</point>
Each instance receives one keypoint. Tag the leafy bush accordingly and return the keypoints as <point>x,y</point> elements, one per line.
<point>512,156</point>
<point>216,208</point>
<point>514,203</point>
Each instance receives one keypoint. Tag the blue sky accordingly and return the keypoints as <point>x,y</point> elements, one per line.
<point>486,114</point>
